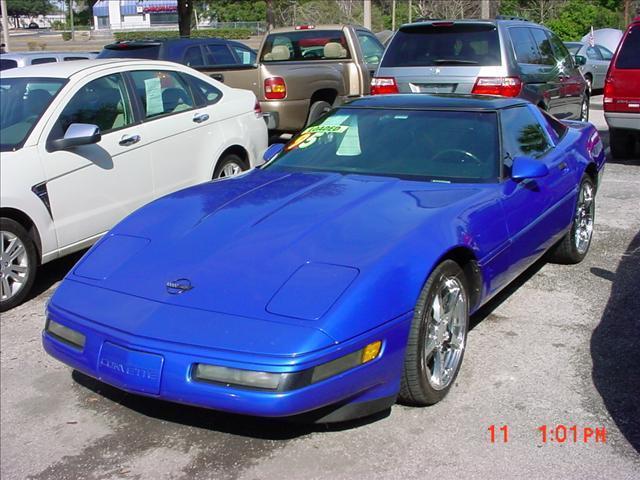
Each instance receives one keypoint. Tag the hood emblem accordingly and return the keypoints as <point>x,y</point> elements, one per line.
<point>178,286</point>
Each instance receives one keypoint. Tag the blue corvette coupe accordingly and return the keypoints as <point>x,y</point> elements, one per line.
<point>340,276</point>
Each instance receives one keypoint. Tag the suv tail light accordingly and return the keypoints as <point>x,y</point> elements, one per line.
<point>503,86</point>
<point>383,85</point>
<point>275,88</point>
<point>616,101</point>
<point>257,109</point>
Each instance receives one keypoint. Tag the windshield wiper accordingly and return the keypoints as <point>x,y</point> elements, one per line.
<point>454,61</point>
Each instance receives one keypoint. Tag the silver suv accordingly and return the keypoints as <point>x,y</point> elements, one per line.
<point>513,58</point>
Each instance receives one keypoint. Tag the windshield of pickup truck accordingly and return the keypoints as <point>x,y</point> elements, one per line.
<point>429,145</point>
<point>305,45</point>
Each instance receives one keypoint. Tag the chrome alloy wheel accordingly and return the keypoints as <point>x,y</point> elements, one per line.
<point>583,220</point>
<point>446,333</point>
<point>14,265</point>
<point>230,169</point>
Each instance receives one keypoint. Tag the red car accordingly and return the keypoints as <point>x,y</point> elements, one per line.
<point>622,95</point>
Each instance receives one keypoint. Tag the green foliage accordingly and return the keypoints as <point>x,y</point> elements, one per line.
<point>58,25</point>
<point>31,8</point>
<point>234,10</point>
<point>233,33</point>
<point>577,17</point>
<point>66,36</point>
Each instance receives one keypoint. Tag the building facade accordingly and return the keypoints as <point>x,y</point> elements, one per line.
<point>135,14</point>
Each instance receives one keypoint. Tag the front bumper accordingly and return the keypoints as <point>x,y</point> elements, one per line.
<point>372,384</point>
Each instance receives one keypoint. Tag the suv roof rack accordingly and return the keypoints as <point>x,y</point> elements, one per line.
<point>511,17</point>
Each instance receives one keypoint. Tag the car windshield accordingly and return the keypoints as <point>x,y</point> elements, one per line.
<point>573,47</point>
<point>428,145</point>
<point>444,44</point>
<point>22,102</point>
<point>128,50</point>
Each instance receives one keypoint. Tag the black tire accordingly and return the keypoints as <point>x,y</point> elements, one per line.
<point>589,81</point>
<point>567,251</point>
<point>416,386</point>
<point>29,259</point>
<point>621,142</point>
<point>584,108</point>
<point>317,109</point>
<point>230,159</point>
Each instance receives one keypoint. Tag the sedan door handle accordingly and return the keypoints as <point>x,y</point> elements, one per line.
<point>127,140</point>
<point>200,117</point>
<point>563,166</point>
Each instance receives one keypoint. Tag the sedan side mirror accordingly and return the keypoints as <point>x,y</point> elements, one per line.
<point>77,134</point>
<point>580,60</point>
<point>528,167</point>
<point>272,151</point>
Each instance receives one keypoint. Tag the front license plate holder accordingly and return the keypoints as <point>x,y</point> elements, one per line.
<point>130,369</point>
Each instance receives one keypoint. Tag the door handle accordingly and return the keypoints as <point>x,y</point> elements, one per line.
<point>563,166</point>
<point>127,140</point>
<point>217,76</point>
<point>200,117</point>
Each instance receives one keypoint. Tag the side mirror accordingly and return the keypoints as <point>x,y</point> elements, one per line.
<point>528,167</point>
<point>77,134</point>
<point>580,60</point>
<point>272,151</point>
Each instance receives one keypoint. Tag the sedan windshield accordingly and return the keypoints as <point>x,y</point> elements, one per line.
<point>22,102</point>
<point>430,145</point>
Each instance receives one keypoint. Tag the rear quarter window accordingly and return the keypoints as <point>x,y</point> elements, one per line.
<point>38,61</point>
<point>6,64</point>
<point>629,56</point>
<point>429,45</point>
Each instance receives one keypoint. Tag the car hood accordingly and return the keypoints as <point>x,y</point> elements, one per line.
<point>273,246</point>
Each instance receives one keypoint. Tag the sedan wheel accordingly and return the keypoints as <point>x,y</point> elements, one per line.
<point>445,333</point>
<point>229,166</point>
<point>437,340</point>
<point>575,244</point>
<point>583,219</point>
<point>17,264</point>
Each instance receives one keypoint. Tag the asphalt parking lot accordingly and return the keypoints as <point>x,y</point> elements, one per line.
<point>560,347</point>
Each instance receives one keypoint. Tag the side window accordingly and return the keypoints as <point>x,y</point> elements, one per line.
<point>593,54</point>
<point>209,93</point>
<point>246,55</point>
<point>543,44</point>
<point>605,52</point>
<point>219,55</point>
<point>522,134</point>
<point>68,59</point>
<point>103,102</point>
<point>559,50</point>
<point>523,45</point>
<point>558,127</point>
<point>372,49</point>
<point>38,61</point>
<point>193,57</point>
<point>162,92</point>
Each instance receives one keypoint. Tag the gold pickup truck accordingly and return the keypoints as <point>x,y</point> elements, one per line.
<point>301,72</point>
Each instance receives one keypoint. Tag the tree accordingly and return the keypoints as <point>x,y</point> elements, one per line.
<point>185,12</point>
<point>31,8</point>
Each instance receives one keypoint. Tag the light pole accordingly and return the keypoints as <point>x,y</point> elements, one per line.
<point>367,14</point>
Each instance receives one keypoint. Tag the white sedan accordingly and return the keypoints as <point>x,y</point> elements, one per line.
<point>85,143</point>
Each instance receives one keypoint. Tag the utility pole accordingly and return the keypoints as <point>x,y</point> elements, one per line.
<point>393,15</point>
<point>485,9</point>
<point>367,14</point>
<point>71,17</point>
<point>626,12</point>
<point>5,25</point>
<point>410,11</point>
